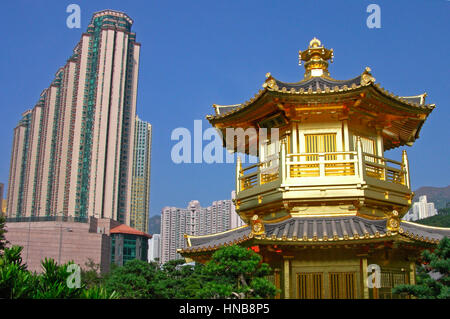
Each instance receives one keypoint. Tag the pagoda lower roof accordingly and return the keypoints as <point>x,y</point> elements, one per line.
<point>314,230</point>
<point>322,86</point>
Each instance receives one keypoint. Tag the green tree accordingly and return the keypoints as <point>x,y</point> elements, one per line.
<point>90,274</point>
<point>427,287</point>
<point>179,280</point>
<point>237,272</point>
<point>137,279</point>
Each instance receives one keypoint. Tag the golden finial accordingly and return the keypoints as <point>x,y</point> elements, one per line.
<point>316,59</point>
<point>314,43</point>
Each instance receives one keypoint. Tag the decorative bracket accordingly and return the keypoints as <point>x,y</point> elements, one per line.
<point>257,225</point>
<point>393,221</point>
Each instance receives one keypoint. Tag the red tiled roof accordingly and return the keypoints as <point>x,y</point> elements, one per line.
<point>124,229</point>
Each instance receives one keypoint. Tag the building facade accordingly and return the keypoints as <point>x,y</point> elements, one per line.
<point>420,210</point>
<point>64,239</point>
<point>140,189</point>
<point>72,151</point>
<point>127,244</point>
<point>154,248</point>
<point>323,205</point>
<point>194,220</point>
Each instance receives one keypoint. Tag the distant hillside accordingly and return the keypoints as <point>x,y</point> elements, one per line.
<point>440,220</point>
<point>438,195</point>
<point>154,225</point>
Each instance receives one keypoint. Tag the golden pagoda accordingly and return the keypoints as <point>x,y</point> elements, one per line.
<point>323,206</point>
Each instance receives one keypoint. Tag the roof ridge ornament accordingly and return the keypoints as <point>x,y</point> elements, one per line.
<point>366,77</point>
<point>269,82</point>
<point>316,59</point>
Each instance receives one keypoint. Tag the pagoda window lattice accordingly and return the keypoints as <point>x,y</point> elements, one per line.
<point>320,143</point>
<point>309,285</point>
<point>390,279</point>
<point>369,146</point>
<point>342,285</point>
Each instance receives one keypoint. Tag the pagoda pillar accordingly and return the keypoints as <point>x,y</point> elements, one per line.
<point>294,143</point>
<point>412,273</point>
<point>287,276</point>
<point>405,165</point>
<point>365,287</point>
<point>380,145</point>
<point>238,174</point>
<point>346,136</point>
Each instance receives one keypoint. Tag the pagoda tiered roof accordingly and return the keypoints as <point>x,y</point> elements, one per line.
<point>321,86</point>
<point>403,115</point>
<point>319,231</point>
<point>400,117</point>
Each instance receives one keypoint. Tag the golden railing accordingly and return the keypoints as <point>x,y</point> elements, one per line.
<point>325,165</point>
<point>259,174</point>
<point>321,164</point>
<point>377,167</point>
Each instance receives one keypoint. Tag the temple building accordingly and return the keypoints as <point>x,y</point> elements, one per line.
<point>323,205</point>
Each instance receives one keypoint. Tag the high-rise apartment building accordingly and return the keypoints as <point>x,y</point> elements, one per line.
<point>154,248</point>
<point>140,189</point>
<point>72,152</point>
<point>421,209</point>
<point>194,220</point>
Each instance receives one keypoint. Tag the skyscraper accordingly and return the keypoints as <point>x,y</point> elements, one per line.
<point>72,152</point>
<point>140,190</point>
<point>194,220</point>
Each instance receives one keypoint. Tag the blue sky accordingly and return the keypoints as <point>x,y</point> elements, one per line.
<point>196,53</point>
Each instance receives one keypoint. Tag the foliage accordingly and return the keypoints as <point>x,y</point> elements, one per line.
<point>437,262</point>
<point>52,283</point>
<point>237,272</point>
<point>13,255</point>
<point>137,279</point>
<point>440,220</point>
<point>17,282</point>
<point>90,274</point>
<point>98,292</point>
<point>180,280</point>
<point>233,272</point>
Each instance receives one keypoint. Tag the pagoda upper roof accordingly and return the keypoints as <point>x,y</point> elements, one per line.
<point>321,86</point>
<point>359,99</point>
<point>318,230</point>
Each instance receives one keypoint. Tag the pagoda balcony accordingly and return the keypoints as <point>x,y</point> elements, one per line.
<point>325,176</point>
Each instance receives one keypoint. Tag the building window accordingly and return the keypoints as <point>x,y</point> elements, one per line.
<point>342,285</point>
<point>320,143</point>
<point>390,279</point>
<point>309,285</point>
<point>368,144</point>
